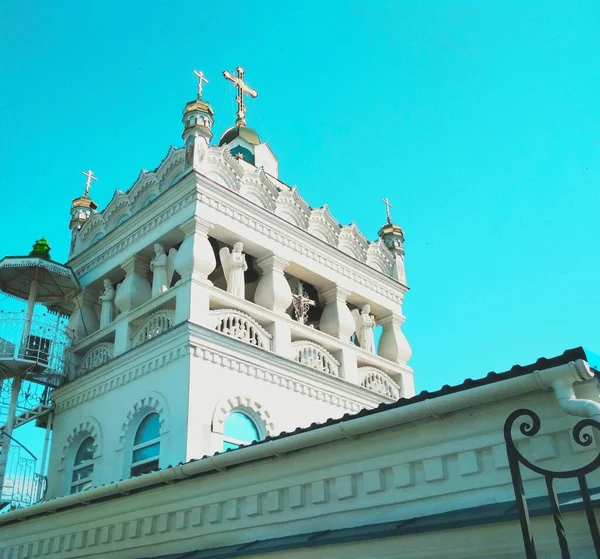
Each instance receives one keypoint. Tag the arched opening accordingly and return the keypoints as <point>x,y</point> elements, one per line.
<point>83,466</point>
<point>122,219</point>
<point>146,446</point>
<point>96,238</point>
<point>239,430</point>
<point>149,200</point>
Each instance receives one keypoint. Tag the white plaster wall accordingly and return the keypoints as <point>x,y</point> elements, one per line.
<point>119,390</point>
<point>392,474</point>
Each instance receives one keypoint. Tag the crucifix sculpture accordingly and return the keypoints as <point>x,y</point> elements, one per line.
<point>242,88</point>
<point>302,303</point>
<point>201,78</point>
<point>387,209</point>
<point>88,183</point>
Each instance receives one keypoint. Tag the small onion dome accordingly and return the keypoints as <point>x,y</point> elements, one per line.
<point>243,132</point>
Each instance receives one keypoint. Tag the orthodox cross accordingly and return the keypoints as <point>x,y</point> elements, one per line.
<point>88,183</point>
<point>387,209</point>
<point>302,303</point>
<point>242,88</point>
<point>201,78</point>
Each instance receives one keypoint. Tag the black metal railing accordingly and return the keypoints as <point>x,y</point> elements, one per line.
<point>529,427</point>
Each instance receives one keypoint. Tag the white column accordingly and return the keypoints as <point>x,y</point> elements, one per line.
<point>84,319</point>
<point>337,320</point>
<point>135,288</point>
<point>273,290</point>
<point>393,345</point>
<point>195,257</point>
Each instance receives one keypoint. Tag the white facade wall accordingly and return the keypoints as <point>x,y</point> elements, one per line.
<point>400,470</point>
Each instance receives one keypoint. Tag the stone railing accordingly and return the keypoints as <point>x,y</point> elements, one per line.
<point>158,322</point>
<point>98,355</point>
<point>241,326</point>
<point>377,381</point>
<point>315,356</point>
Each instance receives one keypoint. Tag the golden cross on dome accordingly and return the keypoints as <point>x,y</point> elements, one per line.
<point>387,209</point>
<point>88,183</point>
<point>201,78</point>
<point>242,88</point>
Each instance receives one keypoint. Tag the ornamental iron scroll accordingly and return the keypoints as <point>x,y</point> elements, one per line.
<point>242,326</point>
<point>95,357</point>
<point>315,356</point>
<point>529,427</point>
<point>377,381</point>
<point>157,323</point>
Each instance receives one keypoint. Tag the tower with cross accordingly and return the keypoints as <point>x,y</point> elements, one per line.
<point>393,237</point>
<point>198,118</point>
<point>82,209</point>
<point>225,300</point>
<point>242,141</point>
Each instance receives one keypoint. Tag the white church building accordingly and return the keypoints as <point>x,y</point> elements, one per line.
<point>233,381</point>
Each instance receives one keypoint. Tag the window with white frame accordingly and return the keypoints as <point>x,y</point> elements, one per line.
<point>238,430</point>
<point>146,446</point>
<point>83,466</point>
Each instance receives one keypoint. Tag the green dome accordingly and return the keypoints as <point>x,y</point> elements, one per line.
<point>243,132</point>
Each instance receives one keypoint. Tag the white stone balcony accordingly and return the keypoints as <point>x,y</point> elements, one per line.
<point>248,322</point>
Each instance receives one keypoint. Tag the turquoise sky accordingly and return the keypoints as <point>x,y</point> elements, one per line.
<point>480,120</point>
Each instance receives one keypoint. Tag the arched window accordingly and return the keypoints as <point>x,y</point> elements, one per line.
<point>148,200</point>
<point>146,446</point>
<point>122,219</point>
<point>96,238</point>
<point>83,466</point>
<point>238,430</point>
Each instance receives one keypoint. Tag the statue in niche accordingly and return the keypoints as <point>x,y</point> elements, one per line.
<point>365,324</point>
<point>163,268</point>
<point>158,265</point>
<point>234,265</point>
<point>107,300</point>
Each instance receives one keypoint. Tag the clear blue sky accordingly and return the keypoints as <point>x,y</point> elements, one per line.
<point>480,120</point>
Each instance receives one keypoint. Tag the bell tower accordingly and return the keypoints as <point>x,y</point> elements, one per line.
<point>197,122</point>
<point>222,310</point>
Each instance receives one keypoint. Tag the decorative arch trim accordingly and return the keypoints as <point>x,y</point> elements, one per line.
<point>89,427</point>
<point>153,403</point>
<point>244,404</point>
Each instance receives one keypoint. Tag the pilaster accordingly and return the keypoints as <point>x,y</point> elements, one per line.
<point>337,320</point>
<point>273,290</point>
<point>135,288</point>
<point>195,257</point>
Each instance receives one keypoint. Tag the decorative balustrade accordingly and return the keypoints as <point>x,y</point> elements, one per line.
<point>39,340</point>
<point>315,356</point>
<point>377,381</point>
<point>158,322</point>
<point>95,357</point>
<point>241,326</point>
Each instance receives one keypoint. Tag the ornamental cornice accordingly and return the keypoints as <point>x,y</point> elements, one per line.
<point>136,227</point>
<point>123,369</point>
<point>214,347</point>
<point>286,234</point>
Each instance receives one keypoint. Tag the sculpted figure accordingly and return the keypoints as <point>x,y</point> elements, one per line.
<point>365,324</point>
<point>107,300</point>
<point>234,265</point>
<point>158,265</point>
